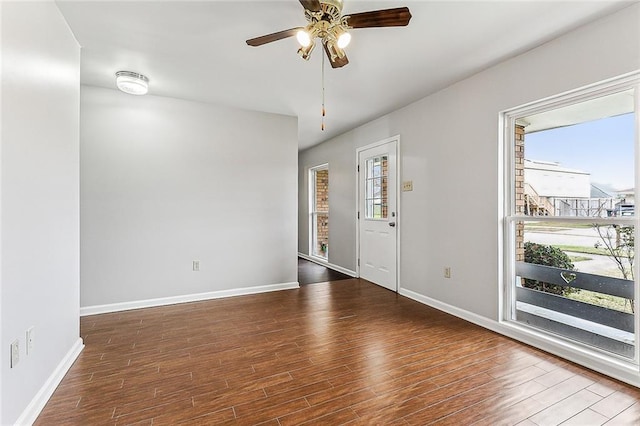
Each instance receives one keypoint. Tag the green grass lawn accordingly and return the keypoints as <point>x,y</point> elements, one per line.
<point>582,249</point>
<point>556,226</point>
<point>604,300</point>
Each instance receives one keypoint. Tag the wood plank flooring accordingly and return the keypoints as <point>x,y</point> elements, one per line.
<point>310,273</point>
<point>337,353</point>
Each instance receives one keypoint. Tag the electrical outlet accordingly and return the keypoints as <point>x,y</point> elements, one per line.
<point>447,272</point>
<point>407,185</point>
<point>15,353</point>
<point>30,337</point>
<point>196,265</point>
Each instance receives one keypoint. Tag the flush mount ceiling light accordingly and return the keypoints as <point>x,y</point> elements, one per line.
<point>132,82</point>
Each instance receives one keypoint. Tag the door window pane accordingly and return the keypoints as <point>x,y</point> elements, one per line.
<point>376,187</point>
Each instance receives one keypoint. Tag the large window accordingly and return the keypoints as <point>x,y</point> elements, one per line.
<point>571,222</point>
<point>319,211</point>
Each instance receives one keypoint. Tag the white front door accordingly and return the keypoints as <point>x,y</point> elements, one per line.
<point>377,214</point>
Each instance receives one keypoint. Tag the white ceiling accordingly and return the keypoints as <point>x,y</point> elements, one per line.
<point>197,51</point>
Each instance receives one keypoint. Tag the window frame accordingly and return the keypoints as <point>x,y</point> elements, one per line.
<point>509,217</point>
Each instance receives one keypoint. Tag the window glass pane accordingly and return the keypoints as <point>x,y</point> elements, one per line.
<point>321,240</point>
<point>377,211</point>
<point>322,190</point>
<point>570,166</point>
<point>376,168</point>
<point>369,208</point>
<point>576,280</point>
<point>369,189</point>
<point>377,184</point>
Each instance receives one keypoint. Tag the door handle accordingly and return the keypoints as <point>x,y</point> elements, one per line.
<point>392,224</point>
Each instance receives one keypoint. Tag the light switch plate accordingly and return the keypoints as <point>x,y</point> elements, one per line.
<point>15,353</point>
<point>30,337</point>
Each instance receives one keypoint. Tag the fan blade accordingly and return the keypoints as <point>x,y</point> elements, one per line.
<point>259,41</point>
<point>338,62</point>
<point>398,17</point>
<point>311,5</point>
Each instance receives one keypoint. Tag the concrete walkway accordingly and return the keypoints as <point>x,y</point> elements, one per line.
<point>584,237</point>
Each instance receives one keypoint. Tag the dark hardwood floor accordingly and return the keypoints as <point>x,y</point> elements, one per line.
<point>345,352</point>
<point>309,273</point>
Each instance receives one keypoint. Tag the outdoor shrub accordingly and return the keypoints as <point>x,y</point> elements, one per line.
<point>542,254</point>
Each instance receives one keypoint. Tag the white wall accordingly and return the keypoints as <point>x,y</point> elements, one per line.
<point>39,195</point>
<point>167,181</point>
<point>341,200</point>
<point>450,150</point>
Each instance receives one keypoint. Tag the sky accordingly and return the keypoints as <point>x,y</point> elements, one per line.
<point>604,147</point>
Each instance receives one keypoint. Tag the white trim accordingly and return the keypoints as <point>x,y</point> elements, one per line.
<point>618,369</point>
<point>356,215</point>
<point>33,410</point>
<point>601,88</point>
<point>399,195</point>
<point>163,301</point>
<point>395,139</point>
<point>328,265</point>
<point>450,309</point>
<point>636,108</point>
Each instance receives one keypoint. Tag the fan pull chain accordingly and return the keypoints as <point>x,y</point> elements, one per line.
<point>323,110</point>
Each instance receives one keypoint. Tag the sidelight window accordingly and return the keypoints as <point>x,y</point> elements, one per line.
<point>319,211</point>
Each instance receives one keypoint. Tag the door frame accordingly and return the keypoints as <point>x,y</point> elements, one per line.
<point>395,139</point>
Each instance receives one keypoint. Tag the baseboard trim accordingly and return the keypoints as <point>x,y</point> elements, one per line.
<point>328,265</point>
<point>173,300</point>
<point>608,365</point>
<point>450,309</point>
<point>33,410</point>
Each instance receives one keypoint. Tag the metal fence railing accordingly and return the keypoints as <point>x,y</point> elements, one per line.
<point>603,327</point>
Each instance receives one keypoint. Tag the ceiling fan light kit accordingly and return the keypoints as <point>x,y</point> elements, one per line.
<point>303,38</point>
<point>305,51</point>
<point>344,39</point>
<point>132,83</point>
<point>326,22</point>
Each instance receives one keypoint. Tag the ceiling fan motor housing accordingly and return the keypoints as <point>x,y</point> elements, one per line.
<point>333,8</point>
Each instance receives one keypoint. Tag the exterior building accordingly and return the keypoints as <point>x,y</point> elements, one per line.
<point>550,179</point>
<point>554,190</point>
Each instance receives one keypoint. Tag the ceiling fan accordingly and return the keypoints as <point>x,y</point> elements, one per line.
<point>325,21</point>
